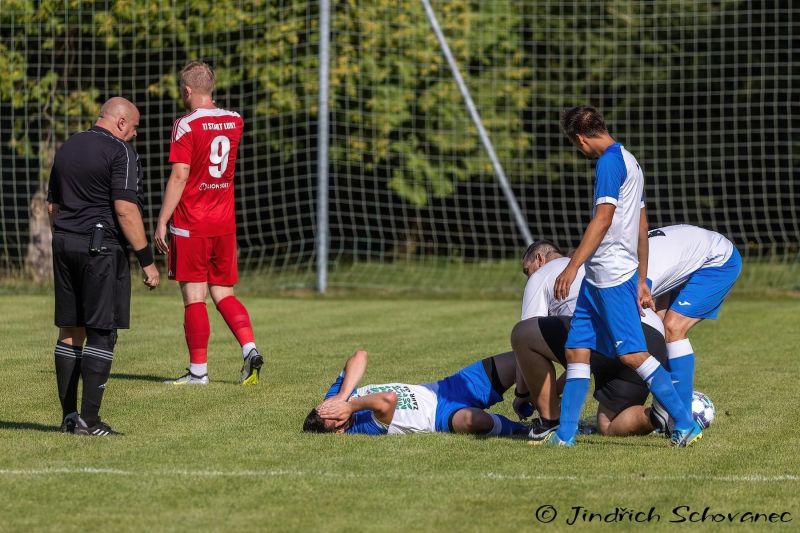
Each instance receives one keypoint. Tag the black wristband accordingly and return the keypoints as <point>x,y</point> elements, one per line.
<point>145,256</point>
<point>518,395</point>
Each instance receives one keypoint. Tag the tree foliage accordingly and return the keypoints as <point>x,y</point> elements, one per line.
<point>395,108</point>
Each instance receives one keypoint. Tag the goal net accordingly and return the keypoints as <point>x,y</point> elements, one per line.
<point>701,92</point>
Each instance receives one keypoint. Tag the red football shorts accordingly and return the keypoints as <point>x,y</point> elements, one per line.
<point>209,259</point>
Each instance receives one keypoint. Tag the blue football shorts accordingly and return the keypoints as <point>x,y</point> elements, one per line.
<point>469,387</point>
<point>607,320</point>
<point>705,290</point>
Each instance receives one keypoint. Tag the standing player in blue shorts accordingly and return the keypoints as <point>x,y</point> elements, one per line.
<point>607,313</point>
<point>692,270</point>
<point>455,404</point>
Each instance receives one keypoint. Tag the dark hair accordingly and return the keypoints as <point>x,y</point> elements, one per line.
<point>584,120</point>
<point>536,247</point>
<point>314,423</point>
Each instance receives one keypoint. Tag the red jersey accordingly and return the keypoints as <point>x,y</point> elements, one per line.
<point>207,140</point>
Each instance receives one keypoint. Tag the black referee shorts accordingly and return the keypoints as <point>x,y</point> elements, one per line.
<point>616,386</point>
<point>91,290</point>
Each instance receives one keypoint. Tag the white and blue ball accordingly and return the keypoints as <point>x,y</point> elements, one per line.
<point>702,411</point>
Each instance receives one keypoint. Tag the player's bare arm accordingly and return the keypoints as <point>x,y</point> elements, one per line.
<point>643,251</point>
<point>595,231</point>
<point>354,370</point>
<point>382,404</point>
<point>172,196</point>
<point>132,226</point>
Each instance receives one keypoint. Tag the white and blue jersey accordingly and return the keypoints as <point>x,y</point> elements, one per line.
<point>618,181</point>
<point>415,411</point>
<point>700,265</point>
<point>606,316</point>
<point>424,408</point>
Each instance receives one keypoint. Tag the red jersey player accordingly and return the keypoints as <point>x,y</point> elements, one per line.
<point>198,214</point>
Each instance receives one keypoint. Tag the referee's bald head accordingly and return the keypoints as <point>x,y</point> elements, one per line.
<point>118,106</point>
<point>119,116</point>
<point>199,77</point>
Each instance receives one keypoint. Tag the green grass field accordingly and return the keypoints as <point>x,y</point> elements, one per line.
<point>225,457</point>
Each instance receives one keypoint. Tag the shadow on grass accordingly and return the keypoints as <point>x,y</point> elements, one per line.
<point>139,377</point>
<point>161,379</point>
<point>33,426</point>
<point>148,377</point>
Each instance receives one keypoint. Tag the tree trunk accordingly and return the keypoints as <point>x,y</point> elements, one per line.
<point>39,259</point>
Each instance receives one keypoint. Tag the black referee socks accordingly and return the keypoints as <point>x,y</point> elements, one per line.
<point>68,371</point>
<point>95,369</point>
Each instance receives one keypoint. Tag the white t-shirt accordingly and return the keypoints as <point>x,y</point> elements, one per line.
<point>538,299</point>
<point>416,407</point>
<point>619,181</point>
<point>678,251</point>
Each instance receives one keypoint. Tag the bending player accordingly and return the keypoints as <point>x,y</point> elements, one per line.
<point>692,271</point>
<point>538,341</point>
<point>198,211</point>
<point>455,404</point>
<point>689,267</point>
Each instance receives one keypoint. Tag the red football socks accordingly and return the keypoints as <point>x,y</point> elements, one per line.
<point>198,330</point>
<point>235,315</point>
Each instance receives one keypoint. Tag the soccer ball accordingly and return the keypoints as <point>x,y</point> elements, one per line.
<point>702,411</point>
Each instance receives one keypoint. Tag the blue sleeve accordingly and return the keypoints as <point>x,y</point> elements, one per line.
<point>336,387</point>
<point>365,424</point>
<point>610,175</point>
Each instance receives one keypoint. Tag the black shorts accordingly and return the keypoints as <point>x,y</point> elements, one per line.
<point>616,386</point>
<point>91,290</point>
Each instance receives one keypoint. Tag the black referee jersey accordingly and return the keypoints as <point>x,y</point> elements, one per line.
<point>91,170</point>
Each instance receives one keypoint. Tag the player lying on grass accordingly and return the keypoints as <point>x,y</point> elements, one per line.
<point>680,259</point>
<point>454,404</point>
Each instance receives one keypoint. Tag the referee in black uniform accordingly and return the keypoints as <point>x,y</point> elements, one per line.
<point>95,201</point>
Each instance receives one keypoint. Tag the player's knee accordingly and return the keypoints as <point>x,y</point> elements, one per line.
<point>521,334</point>
<point>470,421</point>
<point>675,328</point>
<point>105,339</point>
<point>604,418</point>
<point>479,422</point>
<point>634,360</point>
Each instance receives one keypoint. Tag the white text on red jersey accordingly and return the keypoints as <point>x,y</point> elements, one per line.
<point>219,126</point>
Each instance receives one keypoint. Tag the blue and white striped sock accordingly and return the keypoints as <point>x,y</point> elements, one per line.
<point>661,386</point>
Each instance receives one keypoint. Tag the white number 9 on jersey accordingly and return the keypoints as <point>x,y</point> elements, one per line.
<point>220,149</point>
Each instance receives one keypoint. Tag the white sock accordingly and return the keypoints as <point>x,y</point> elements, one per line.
<point>247,347</point>
<point>198,370</point>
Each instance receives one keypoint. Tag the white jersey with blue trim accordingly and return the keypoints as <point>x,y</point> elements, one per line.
<point>620,182</point>
<point>416,407</point>
<point>678,251</point>
<point>538,298</point>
